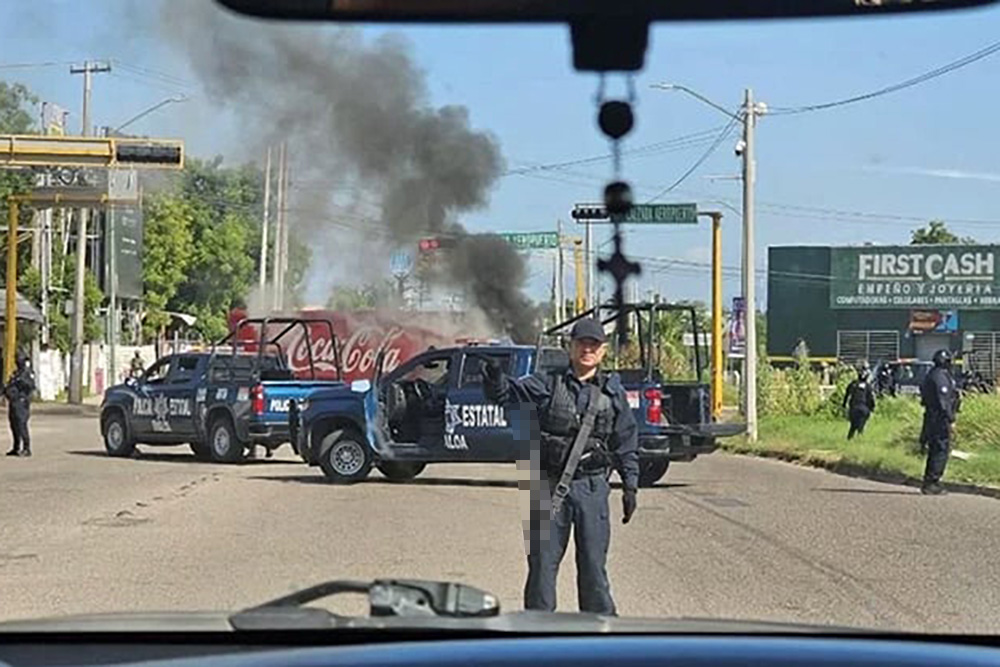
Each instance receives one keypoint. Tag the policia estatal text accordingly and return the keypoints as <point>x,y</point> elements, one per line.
<point>562,401</point>
<point>941,400</point>
<point>18,391</point>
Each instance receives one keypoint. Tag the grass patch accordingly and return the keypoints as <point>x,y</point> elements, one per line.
<point>890,445</point>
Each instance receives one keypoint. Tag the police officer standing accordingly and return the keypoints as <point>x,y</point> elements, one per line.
<point>18,391</point>
<point>568,401</point>
<point>138,365</point>
<point>861,398</point>
<point>939,395</point>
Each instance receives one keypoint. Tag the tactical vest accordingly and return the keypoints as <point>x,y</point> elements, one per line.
<point>859,395</point>
<point>561,422</point>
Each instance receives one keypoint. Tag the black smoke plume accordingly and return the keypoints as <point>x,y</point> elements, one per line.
<point>356,116</point>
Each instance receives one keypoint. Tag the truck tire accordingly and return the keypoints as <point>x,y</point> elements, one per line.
<point>117,441</point>
<point>201,450</point>
<point>223,444</point>
<point>345,457</point>
<point>652,471</point>
<point>401,471</point>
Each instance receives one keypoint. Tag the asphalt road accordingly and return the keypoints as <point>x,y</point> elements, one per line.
<point>723,537</point>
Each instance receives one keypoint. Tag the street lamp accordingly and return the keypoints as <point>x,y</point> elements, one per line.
<point>162,103</point>
<point>697,96</point>
<point>745,150</point>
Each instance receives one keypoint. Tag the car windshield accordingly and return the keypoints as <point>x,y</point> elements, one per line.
<point>816,201</point>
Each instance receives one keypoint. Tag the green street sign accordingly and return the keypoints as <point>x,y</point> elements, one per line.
<point>643,214</point>
<point>661,214</point>
<point>531,240</point>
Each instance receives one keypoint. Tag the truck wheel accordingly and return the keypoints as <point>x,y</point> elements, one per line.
<point>650,472</point>
<point>201,450</point>
<point>117,441</point>
<point>401,471</point>
<point>346,457</point>
<point>223,444</point>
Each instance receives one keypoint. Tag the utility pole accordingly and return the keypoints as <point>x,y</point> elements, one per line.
<point>278,219</point>
<point>580,286</point>
<point>263,234</point>
<point>589,254</point>
<point>76,361</point>
<point>86,70</point>
<point>716,346</point>
<point>560,279</point>
<point>750,112</point>
<point>284,226</point>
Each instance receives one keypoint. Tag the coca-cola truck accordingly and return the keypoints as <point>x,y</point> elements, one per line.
<point>361,333</point>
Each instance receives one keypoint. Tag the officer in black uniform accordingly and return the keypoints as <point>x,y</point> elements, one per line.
<point>18,391</point>
<point>561,398</point>
<point>861,398</point>
<point>885,380</point>
<point>939,395</point>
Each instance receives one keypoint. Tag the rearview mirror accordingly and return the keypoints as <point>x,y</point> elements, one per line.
<point>502,11</point>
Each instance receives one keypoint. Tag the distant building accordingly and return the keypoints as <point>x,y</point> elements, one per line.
<point>885,302</point>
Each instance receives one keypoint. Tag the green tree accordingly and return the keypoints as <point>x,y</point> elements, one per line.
<point>203,244</point>
<point>59,332</point>
<point>937,232</point>
<point>15,118</point>
<point>167,242</point>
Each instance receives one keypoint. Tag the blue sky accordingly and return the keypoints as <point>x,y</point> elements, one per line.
<point>928,151</point>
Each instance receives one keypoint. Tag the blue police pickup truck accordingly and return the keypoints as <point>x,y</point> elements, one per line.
<point>432,409</point>
<point>222,402</point>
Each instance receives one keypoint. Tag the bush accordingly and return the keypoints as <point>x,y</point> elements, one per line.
<point>795,391</point>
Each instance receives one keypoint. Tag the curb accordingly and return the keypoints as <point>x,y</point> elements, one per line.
<point>53,408</point>
<point>859,471</point>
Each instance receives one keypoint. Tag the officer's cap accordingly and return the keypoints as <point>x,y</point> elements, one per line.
<point>588,328</point>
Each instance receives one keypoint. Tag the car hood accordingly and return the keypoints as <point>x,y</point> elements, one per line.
<point>523,622</point>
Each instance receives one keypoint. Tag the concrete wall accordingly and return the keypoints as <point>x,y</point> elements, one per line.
<point>52,369</point>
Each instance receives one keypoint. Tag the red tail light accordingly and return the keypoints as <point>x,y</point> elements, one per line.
<point>257,399</point>
<point>654,409</point>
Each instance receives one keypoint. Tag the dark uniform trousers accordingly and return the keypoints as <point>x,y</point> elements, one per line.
<point>858,416</point>
<point>18,413</point>
<point>585,512</point>
<point>937,436</point>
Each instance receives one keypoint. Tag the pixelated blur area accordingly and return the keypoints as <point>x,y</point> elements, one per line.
<point>535,497</point>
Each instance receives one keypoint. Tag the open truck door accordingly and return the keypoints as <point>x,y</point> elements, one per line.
<point>673,413</point>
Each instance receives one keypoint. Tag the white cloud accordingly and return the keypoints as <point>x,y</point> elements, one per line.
<point>960,174</point>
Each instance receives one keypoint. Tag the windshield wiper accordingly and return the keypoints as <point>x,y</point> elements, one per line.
<point>386,597</point>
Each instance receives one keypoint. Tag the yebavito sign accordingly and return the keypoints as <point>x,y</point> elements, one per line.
<point>932,276</point>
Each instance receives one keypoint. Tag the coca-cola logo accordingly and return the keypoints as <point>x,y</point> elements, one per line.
<point>357,354</point>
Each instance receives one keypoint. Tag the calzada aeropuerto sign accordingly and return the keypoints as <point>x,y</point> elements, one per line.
<point>933,276</point>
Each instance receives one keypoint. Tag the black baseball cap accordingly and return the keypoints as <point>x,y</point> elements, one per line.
<point>588,328</point>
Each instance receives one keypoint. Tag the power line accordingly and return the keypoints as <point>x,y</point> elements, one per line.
<point>908,83</point>
<point>656,148</point>
<point>711,149</point>
<point>158,85</point>
<point>155,74</point>
<point>51,63</point>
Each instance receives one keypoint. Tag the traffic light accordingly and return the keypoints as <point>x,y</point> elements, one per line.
<point>143,152</point>
<point>429,245</point>
<point>433,243</point>
<point>589,212</point>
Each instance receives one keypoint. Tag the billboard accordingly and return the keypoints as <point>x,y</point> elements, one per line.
<point>127,221</point>
<point>930,277</point>
<point>736,328</point>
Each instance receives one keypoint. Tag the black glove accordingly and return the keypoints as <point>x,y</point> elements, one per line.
<point>629,503</point>
<point>491,369</point>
